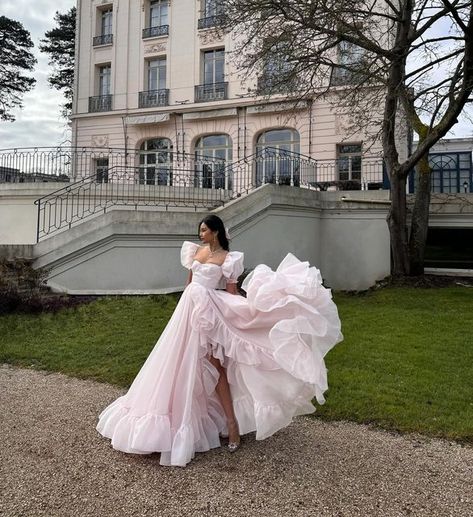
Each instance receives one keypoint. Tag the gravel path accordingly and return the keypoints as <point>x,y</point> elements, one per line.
<point>53,463</point>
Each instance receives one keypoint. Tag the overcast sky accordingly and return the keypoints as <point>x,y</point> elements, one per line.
<point>39,123</point>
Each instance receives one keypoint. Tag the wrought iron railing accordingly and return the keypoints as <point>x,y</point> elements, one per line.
<point>103,39</point>
<point>266,165</point>
<point>124,186</point>
<point>210,21</point>
<point>211,92</point>
<point>154,32</point>
<point>193,183</point>
<point>153,98</point>
<point>283,167</point>
<point>100,103</point>
<point>75,163</point>
<point>58,163</point>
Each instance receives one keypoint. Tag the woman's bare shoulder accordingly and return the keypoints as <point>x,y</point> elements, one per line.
<point>202,252</point>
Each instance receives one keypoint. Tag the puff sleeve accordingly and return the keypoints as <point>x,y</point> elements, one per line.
<point>188,251</point>
<point>233,267</point>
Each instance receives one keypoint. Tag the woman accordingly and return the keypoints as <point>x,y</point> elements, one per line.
<point>226,364</point>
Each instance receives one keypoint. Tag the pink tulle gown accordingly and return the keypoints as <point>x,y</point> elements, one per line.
<point>272,344</point>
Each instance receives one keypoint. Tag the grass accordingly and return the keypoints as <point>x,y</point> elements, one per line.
<point>106,340</point>
<point>405,363</point>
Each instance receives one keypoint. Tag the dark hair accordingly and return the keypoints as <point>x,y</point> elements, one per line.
<point>214,223</point>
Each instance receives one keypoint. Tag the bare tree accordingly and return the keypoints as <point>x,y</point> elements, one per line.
<point>406,59</point>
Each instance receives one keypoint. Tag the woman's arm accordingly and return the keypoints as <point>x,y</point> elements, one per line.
<point>232,288</point>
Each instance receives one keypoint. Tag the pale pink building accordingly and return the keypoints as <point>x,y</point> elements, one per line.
<point>156,78</point>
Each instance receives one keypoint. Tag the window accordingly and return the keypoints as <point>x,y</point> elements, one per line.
<point>211,14</point>
<point>158,13</point>
<point>105,73</point>
<point>157,19</point>
<point>212,8</point>
<point>106,22</point>
<point>214,66</point>
<point>156,162</point>
<point>276,73</point>
<point>277,157</point>
<point>157,74</point>
<point>351,60</point>
<point>451,172</point>
<point>156,93</point>
<point>101,170</point>
<point>103,100</point>
<point>212,154</point>
<point>349,162</point>
<point>214,87</point>
<point>104,27</point>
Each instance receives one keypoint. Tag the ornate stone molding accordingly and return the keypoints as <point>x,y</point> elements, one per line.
<point>155,48</point>
<point>99,140</point>
<point>208,37</point>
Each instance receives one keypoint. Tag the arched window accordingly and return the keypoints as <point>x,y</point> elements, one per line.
<point>156,162</point>
<point>213,153</point>
<point>277,157</point>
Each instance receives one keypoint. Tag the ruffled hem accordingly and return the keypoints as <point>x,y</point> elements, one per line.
<point>150,433</point>
<point>266,419</point>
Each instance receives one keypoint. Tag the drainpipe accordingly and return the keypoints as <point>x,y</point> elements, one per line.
<point>310,127</point>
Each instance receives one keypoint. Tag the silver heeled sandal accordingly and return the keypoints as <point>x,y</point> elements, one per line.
<point>234,446</point>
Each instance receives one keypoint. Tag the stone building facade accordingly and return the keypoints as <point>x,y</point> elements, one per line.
<point>155,77</point>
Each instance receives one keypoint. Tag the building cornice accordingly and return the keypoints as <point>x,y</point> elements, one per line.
<point>259,105</point>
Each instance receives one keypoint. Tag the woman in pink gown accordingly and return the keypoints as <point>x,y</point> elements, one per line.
<point>226,365</point>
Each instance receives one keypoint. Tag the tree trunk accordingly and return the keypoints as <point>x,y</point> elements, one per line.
<point>420,218</point>
<point>397,222</point>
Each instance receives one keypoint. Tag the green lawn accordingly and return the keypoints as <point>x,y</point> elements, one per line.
<point>107,340</point>
<point>406,362</point>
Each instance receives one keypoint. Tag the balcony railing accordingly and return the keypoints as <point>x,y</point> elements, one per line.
<point>103,39</point>
<point>210,21</point>
<point>154,32</point>
<point>185,181</point>
<point>41,164</point>
<point>100,103</point>
<point>153,98</point>
<point>211,92</point>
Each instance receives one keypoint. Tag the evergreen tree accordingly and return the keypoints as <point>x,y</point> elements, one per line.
<point>59,43</point>
<point>15,58</point>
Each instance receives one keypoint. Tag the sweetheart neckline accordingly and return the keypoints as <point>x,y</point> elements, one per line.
<point>208,263</point>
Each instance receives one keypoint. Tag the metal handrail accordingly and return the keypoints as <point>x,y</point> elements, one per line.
<point>32,164</point>
<point>211,91</point>
<point>151,98</point>
<point>125,186</point>
<point>100,103</point>
<point>199,183</point>
<point>102,39</point>
<point>208,22</point>
<point>154,32</point>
